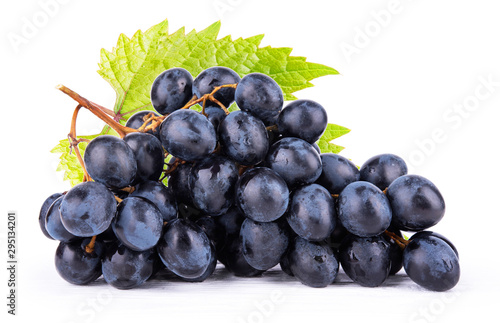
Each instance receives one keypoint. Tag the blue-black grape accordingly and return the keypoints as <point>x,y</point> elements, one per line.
<point>148,153</point>
<point>212,77</point>
<point>215,115</point>
<point>77,266</point>
<point>214,231</point>
<point>295,160</point>
<point>233,258</point>
<point>88,209</point>
<point>395,251</point>
<point>138,223</point>
<point>124,268</point>
<point>364,210</point>
<point>431,263</point>
<point>261,96</point>
<point>244,138</point>
<point>160,195</point>
<point>210,269</point>
<point>264,243</point>
<point>312,212</point>
<point>43,213</point>
<point>382,170</point>
<point>54,225</point>
<point>185,249</point>
<point>313,263</point>
<point>304,119</point>
<point>188,135</point>
<point>171,90</point>
<point>262,194</point>
<point>110,161</point>
<point>366,260</point>
<point>137,120</point>
<point>212,182</point>
<point>416,203</point>
<point>337,172</point>
<point>421,234</point>
<point>178,181</point>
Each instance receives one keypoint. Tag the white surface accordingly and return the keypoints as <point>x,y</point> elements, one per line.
<point>396,90</point>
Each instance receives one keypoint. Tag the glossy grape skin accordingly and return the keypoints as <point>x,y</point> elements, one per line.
<point>212,182</point>
<point>188,135</point>
<point>124,268</point>
<point>422,234</point>
<point>431,263</point>
<point>212,77</point>
<point>264,243</point>
<point>313,263</point>
<point>382,170</point>
<point>262,194</point>
<point>185,249</point>
<point>210,269</point>
<point>304,119</point>
<point>171,90</point>
<point>312,212</point>
<point>77,266</point>
<point>88,209</point>
<point>416,203</point>
<point>137,120</point>
<point>138,223</point>
<point>337,172</point>
<point>148,153</point>
<point>233,258</point>
<point>214,231</point>
<point>364,210</point>
<point>54,225</point>
<point>261,96</point>
<point>110,161</point>
<point>178,181</point>
<point>160,195</point>
<point>295,160</point>
<point>244,138</point>
<point>43,213</point>
<point>366,260</point>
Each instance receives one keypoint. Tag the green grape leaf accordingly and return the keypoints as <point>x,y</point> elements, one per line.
<point>133,64</point>
<point>68,162</point>
<point>332,132</point>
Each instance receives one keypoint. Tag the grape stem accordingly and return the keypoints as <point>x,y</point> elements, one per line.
<point>401,242</point>
<point>73,142</point>
<point>90,247</point>
<point>210,96</point>
<point>97,111</point>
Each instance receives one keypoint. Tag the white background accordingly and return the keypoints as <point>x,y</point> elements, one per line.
<point>411,63</point>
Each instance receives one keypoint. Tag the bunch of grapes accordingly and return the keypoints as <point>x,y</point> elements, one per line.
<point>250,189</point>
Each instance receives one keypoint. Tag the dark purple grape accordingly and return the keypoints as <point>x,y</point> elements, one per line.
<point>337,172</point>
<point>76,265</point>
<point>304,119</point>
<point>88,209</point>
<point>54,225</point>
<point>262,194</point>
<point>110,161</point>
<point>148,153</point>
<point>188,135</point>
<point>261,96</point>
<point>212,77</point>
<point>178,181</point>
<point>244,138</point>
<point>312,212</point>
<point>160,195</point>
<point>234,260</point>
<point>382,170</point>
<point>295,160</point>
<point>43,213</point>
<point>171,90</point>
<point>416,203</point>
